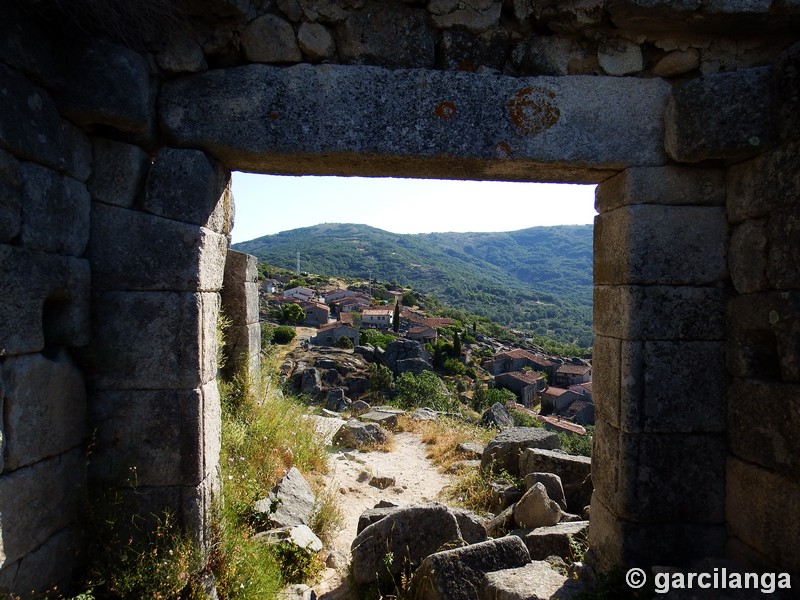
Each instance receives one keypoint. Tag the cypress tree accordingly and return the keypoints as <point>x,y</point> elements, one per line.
<point>456,345</point>
<point>396,318</point>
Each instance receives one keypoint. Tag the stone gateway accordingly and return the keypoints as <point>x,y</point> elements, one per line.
<point>118,133</point>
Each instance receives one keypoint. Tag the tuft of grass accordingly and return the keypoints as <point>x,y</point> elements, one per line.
<point>326,519</point>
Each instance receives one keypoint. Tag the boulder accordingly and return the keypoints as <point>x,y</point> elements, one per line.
<point>355,434</point>
<point>504,494</point>
<point>497,416</point>
<point>415,366</point>
<point>380,417</point>
<point>501,524</point>
<point>471,450</point>
<point>470,525</point>
<point>552,483</point>
<point>555,540</point>
<point>311,382</point>
<point>291,502</point>
<point>299,535</point>
<point>536,509</point>
<point>401,540</point>
<point>368,352</point>
<point>503,452</point>
<point>424,414</point>
<point>457,574</point>
<point>359,407</point>
<point>337,401</point>
<point>533,581</point>
<point>572,470</point>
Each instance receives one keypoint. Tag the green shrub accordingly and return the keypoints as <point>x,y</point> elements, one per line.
<point>580,445</point>
<point>380,380</point>
<point>453,366</point>
<point>345,343</point>
<point>483,398</point>
<point>375,338</point>
<point>425,389</point>
<point>283,334</point>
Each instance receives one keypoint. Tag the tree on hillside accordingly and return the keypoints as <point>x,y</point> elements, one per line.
<point>292,313</point>
<point>396,318</point>
<point>456,345</point>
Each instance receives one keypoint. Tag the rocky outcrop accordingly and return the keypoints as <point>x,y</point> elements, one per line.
<point>406,355</point>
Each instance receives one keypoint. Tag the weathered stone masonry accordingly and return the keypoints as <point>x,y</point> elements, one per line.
<point>115,161</point>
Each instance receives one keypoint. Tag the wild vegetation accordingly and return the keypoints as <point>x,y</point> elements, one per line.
<point>538,280</point>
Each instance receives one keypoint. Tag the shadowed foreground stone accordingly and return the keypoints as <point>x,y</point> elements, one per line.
<point>309,119</point>
<point>409,535</point>
<point>548,541</point>
<point>457,574</point>
<point>534,581</point>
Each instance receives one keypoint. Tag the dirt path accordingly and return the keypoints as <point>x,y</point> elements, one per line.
<point>416,481</point>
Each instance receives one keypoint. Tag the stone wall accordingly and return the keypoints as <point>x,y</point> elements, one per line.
<point>115,155</point>
<point>763,469</point>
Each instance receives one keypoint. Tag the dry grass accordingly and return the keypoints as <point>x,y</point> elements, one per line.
<point>443,437</point>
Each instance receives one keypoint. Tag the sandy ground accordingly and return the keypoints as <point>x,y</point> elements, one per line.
<point>416,481</point>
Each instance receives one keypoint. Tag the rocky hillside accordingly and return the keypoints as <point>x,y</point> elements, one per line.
<point>537,279</point>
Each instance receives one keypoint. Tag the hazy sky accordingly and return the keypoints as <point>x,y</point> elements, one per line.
<point>267,204</point>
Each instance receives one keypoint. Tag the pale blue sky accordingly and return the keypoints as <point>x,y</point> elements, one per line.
<point>267,204</point>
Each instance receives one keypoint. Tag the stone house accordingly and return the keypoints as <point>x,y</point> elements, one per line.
<point>584,389</point>
<point>423,334</point>
<point>299,293</point>
<point>270,286</point>
<point>380,317</point>
<point>338,294</point>
<point>348,304</point>
<point>556,399</point>
<point>317,313</point>
<point>517,359</point>
<point>524,384</point>
<point>328,335</point>
<point>569,374</point>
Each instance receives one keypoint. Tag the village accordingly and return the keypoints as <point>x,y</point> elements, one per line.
<point>557,391</point>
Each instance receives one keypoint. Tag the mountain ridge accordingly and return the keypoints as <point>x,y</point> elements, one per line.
<point>537,279</point>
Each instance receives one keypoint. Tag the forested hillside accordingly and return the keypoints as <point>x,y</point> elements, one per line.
<point>537,279</point>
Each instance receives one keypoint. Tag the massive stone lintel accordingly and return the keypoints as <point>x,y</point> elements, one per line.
<point>348,120</point>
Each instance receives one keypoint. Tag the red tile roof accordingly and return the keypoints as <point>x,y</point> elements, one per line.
<point>529,377</point>
<point>573,369</point>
